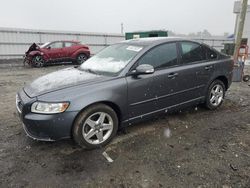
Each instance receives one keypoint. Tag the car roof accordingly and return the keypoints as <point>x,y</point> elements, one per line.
<point>65,41</point>
<point>154,40</point>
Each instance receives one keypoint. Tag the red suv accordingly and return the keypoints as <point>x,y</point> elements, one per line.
<point>57,51</point>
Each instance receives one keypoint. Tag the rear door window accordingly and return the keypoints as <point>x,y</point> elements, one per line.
<point>161,56</point>
<point>192,52</point>
<point>68,44</point>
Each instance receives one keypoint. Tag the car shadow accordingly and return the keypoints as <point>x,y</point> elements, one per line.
<point>69,143</point>
<point>68,146</point>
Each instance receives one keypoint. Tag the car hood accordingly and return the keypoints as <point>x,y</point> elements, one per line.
<point>61,79</point>
<point>33,47</point>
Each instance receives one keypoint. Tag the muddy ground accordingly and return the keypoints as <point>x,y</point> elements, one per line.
<point>204,148</point>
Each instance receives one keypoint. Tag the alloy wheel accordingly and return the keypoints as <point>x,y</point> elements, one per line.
<point>216,95</point>
<point>38,61</point>
<point>81,58</point>
<point>97,128</point>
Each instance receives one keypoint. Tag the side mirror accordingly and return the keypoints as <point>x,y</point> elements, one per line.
<point>49,47</point>
<point>143,69</point>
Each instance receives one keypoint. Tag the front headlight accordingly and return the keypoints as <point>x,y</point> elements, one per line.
<point>49,108</point>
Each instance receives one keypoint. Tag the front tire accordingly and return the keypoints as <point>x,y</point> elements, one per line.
<point>81,58</point>
<point>95,127</point>
<point>38,61</point>
<point>215,95</point>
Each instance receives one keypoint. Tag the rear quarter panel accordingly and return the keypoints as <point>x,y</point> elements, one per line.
<point>78,49</point>
<point>223,67</point>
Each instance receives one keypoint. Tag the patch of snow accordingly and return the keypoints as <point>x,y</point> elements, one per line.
<point>104,64</point>
<point>112,59</point>
<point>167,133</point>
<point>68,76</point>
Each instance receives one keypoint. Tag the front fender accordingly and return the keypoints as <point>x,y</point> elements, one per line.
<point>34,53</point>
<point>113,91</point>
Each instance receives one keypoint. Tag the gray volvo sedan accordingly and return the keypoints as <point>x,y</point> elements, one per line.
<point>121,85</point>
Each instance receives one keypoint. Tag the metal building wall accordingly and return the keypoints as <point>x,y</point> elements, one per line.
<point>14,42</point>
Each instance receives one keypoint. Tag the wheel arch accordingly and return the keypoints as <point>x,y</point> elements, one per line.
<point>78,52</point>
<point>223,79</point>
<point>112,105</point>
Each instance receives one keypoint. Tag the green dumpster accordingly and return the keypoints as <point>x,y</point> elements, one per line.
<point>144,34</point>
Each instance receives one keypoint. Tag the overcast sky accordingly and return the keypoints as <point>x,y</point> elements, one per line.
<point>180,16</point>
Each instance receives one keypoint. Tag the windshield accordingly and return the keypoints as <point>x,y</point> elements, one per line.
<point>44,45</point>
<point>112,59</point>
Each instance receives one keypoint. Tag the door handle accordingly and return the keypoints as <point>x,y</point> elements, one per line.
<point>172,75</point>
<point>208,67</point>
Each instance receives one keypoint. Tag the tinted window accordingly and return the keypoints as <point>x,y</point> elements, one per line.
<point>161,56</point>
<point>56,45</point>
<point>192,52</point>
<point>210,54</point>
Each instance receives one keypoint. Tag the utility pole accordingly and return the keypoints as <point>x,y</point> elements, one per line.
<point>122,28</point>
<point>240,28</point>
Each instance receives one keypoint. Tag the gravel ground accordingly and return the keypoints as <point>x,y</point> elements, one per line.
<point>191,148</point>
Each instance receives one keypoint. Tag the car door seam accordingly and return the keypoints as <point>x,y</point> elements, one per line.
<point>169,107</point>
<point>168,95</point>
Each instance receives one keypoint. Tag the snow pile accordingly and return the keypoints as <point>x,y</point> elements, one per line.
<point>112,59</point>
<point>69,76</point>
<point>108,64</point>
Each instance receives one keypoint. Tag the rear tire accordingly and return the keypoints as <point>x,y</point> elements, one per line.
<point>246,78</point>
<point>215,95</point>
<point>95,127</point>
<point>81,58</point>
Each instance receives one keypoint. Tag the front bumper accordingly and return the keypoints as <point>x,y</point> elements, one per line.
<point>35,137</point>
<point>27,59</point>
<point>44,127</point>
<point>49,127</point>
